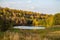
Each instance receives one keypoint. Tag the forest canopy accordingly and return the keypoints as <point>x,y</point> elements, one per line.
<point>12,17</point>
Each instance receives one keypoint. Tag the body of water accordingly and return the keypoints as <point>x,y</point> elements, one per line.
<point>28,27</point>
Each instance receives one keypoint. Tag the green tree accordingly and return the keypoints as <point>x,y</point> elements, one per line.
<point>5,24</point>
<point>57,19</point>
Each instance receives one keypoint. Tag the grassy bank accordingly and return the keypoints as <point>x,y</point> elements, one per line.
<point>18,34</point>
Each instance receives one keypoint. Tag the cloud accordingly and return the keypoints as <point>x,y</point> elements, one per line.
<point>32,7</point>
<point>9,3</point>
<point>29,1</point>
<point>46,6</point>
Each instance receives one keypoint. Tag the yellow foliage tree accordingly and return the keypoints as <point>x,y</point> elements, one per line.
<point>35,22</point>
<point>49,21</point>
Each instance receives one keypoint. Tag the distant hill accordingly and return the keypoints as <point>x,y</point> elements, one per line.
<point>25,18</point>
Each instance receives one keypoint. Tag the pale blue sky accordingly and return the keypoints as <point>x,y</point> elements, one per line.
<point>43,6</point>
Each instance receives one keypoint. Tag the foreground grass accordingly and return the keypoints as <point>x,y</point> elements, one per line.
<point>19,34</point>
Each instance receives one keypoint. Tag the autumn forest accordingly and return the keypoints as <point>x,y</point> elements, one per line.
<point>15,17</point>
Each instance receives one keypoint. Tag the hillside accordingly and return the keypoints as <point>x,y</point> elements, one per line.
<point>25,18</point>
<point>12,17</point>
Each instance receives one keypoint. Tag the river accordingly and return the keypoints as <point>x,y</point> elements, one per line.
<point>29,27</point>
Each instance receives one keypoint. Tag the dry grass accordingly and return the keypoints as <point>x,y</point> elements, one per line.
<point>21,36</point>
<point>27,35</point>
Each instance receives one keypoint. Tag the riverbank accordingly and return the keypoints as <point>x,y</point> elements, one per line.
<point>21,34</point>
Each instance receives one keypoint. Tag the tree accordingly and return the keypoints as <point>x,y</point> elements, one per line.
<point>5,24</point>
<point>49,20</point>
<point>29,22</point>
<point>35,22</point>
<point>57,19</point>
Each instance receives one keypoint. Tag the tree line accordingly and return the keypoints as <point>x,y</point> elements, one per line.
<point>12,17</point>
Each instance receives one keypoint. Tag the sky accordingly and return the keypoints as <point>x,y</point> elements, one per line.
<point>42,6</point>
